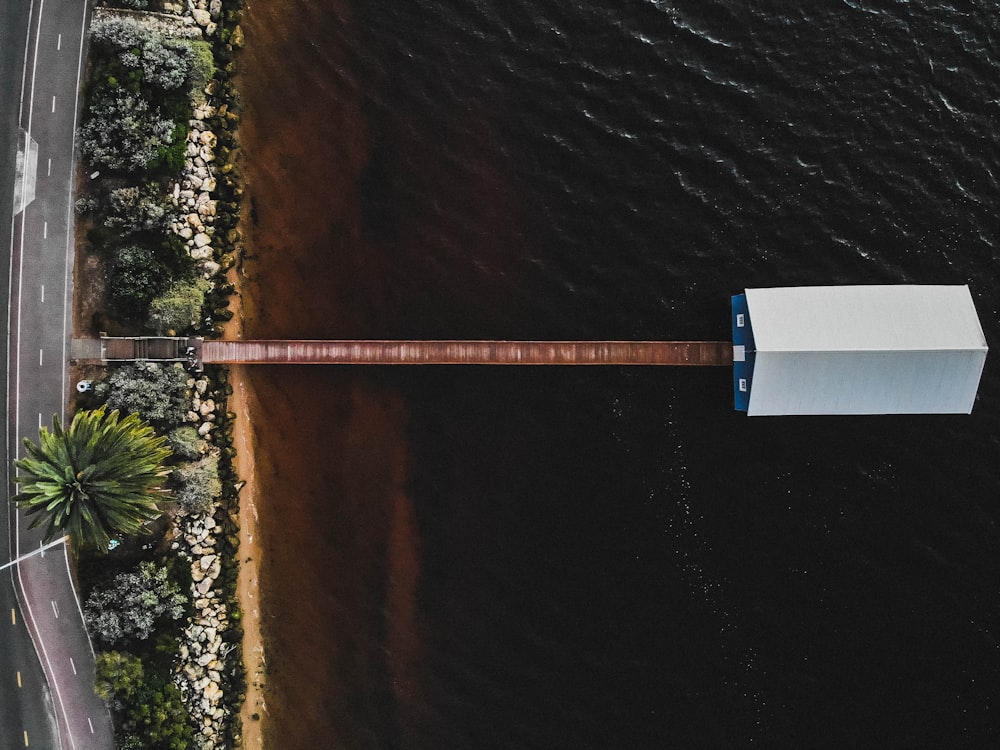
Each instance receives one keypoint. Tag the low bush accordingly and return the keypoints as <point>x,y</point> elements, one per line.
<point>179,307</point>
<point>163,63</point>
<point>202,68</point>
<point>170,156</point>
<point>136,277</point>
<point>123,131</point>
<point>185,443</point>
<point>197,484</point>
<point>137,208</point>
<point>157,392</point>
<point>149,709</point>
<point>133,604</point>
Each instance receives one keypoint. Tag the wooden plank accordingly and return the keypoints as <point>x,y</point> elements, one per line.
<point>385,352</point>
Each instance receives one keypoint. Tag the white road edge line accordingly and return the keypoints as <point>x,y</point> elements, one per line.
<point>67,302</point>
<point>24,73</point>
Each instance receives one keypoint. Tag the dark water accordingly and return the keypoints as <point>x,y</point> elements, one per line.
<point>615,558</point>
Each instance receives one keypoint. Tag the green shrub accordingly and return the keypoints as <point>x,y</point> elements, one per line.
<point>121,130</point>
<point>137,209</point>
<point>173,254</point>
<point>185,443</point>
<point>202,68</point>
<point>119,676</point>
<point>133,604</point>
<point>157,392</point>
<point>149,709</point>
<point>197,484</point>
<point>171,154</point>
<point>136,277</point>
<point>162,63</point>
<point>179,307</point>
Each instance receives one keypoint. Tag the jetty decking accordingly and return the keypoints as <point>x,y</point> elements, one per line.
<point>386,352</point>
<point>132,348</point>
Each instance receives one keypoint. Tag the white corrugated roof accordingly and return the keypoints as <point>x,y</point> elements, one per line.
<point>879,317</point>
<point>865,350</point>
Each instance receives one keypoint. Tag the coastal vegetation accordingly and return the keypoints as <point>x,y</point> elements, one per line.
<point>149,707</point>
<point>97,479</point>
<point>167,601</point>
<point>129,607</point>
<point>158,217</point>
<point>157,392</point>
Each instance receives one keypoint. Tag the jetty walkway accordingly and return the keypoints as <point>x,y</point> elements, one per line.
<point>387,352</point>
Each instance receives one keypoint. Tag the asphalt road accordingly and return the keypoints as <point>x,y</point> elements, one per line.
<point>26,712</point>
<point>41,50</point>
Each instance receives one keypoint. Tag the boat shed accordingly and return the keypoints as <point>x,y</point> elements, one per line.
<point>879,349</point>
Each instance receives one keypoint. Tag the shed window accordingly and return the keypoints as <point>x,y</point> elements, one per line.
<point>743,385</point>
<point>740,320</point>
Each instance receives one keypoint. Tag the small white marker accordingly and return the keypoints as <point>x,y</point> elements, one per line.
<point>50,169</point>
<point>72,664</point>
<point>90,724</point>
<point>53,104</point>
<point>55,609</point>
<point>40,427</point>
<point>43,292</point>
<point>45,230</point>
<point>41,353</point>
<point>59,42</point>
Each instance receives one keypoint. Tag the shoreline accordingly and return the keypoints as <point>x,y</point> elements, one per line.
<point>250,549</point>
<point>240,709</point>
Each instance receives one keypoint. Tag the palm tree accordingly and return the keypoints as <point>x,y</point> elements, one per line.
<point>97,479</point>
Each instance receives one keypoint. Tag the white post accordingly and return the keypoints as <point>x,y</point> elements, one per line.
<point>40,551</point>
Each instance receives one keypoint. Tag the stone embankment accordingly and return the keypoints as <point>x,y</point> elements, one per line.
<point>193,194</point>
<point>201,666</point>
<point>204,665</point>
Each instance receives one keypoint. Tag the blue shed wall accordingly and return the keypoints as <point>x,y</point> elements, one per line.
<point>742,336</point>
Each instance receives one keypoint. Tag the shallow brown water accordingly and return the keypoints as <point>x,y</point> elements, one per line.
<point>331,461</point>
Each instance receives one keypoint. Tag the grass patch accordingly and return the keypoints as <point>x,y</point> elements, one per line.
<point>202,70</point>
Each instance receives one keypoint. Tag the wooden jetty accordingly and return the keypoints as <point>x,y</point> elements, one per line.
<point>196,352</point>
<point>133,348</point>
<point>386,352</point>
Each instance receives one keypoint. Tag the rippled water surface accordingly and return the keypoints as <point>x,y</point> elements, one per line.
<point>557,558</point>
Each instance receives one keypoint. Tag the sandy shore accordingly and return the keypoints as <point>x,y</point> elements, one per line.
<point>254,710</point>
